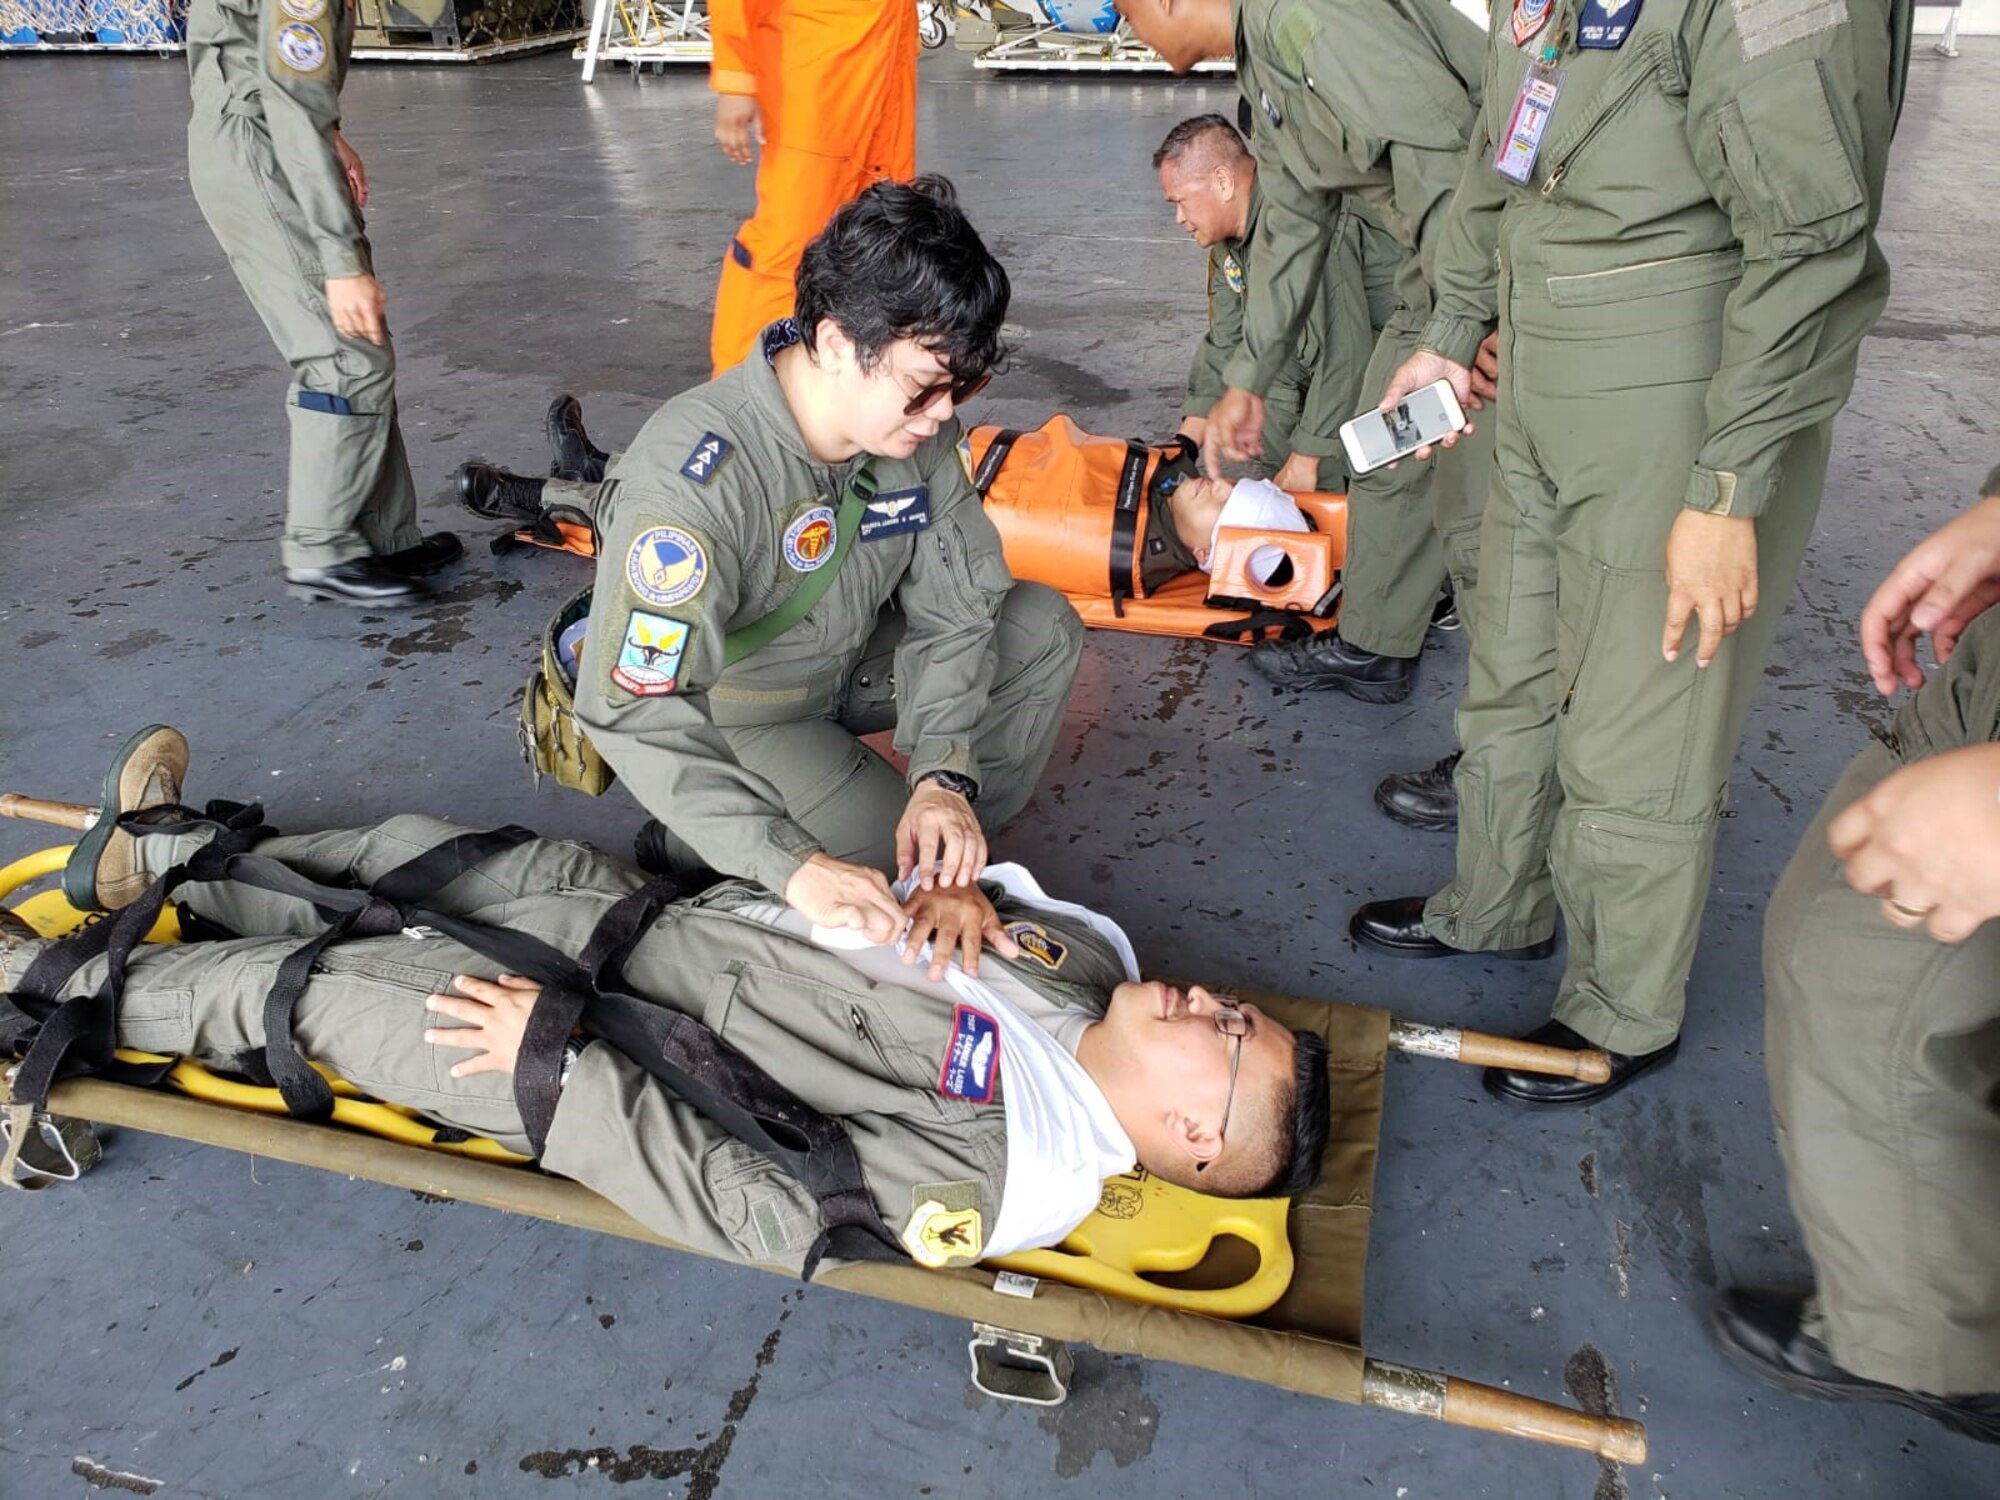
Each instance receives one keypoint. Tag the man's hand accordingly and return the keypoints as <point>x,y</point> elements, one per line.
<point>1235,431</point>
<point>939,839</point>
<point>351,168</point>
<point>1299,474</point>
<point>1420,369</point>
<point>1194,429</point>
<point>739,125</point>
<point>1927,841</point>
<point>1485,372</point>
<point>359,308</point>
<point>833,893</point>
<point>495,1013</point>
<point>960,918</point>
<point>1947,579</point>
<point>1712,575</point>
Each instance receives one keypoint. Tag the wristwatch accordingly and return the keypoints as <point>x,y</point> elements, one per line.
<point>952,781</point>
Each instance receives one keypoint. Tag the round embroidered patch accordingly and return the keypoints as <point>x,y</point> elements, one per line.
<point>303,10</point>
<point>809,540</point>
<point>666,566</point>
<point>301,48</point>
<point>1232,272</point>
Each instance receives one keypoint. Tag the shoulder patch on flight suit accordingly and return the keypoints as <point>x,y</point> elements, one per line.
<point>1603,25</point>
<point>707,457</point>
<point>896,513</point>
<point>1036,943</point>
<point>1232,272</point>
<point>1766,25</point>
<point>666,566</point>
<point>301,48</point>
<point>972,1060</point>
<point>650,654</point>
<point>945,1226</point>
<point>809,540</point>
<point>303,10</point>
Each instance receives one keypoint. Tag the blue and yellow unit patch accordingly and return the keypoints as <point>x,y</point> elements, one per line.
<point>649,655</point>
<point>1035,943</point>
<point>666,566</point>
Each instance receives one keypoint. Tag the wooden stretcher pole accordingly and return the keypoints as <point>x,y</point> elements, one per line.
<point>1466,1403</point>
<point>1483,1051</point>
<point>35,810</point>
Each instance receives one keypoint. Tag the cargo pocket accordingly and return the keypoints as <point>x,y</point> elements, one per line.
<point>1784,152</point>
<point>768,1215</point>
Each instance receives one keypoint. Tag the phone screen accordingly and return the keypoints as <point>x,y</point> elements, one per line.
<point>1376,437</point>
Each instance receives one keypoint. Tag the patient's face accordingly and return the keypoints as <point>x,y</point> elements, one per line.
<point>1196,504</point>
<point>1204,200</point>
<point>1167,1037</point>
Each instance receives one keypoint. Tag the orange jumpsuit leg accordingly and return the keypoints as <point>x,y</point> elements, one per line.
<point>836,83</point>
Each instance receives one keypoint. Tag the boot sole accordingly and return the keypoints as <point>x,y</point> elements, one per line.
<point>1596,1094</point>
<point>1364,692</point>
<point>1413,820</point>
<point>1979,1428</point>
<point>95,863</point>
<point>314,594</point>
<point>1533,953</point>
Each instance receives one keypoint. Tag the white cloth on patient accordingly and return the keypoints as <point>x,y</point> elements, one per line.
<point>1259,505</point>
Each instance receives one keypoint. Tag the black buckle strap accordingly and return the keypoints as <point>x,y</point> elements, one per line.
<point>1125,518</point>
<point>996,455</point>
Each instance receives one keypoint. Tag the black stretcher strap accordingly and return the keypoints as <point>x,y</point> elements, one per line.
<point>996,455</point>
<point>1125,519</point>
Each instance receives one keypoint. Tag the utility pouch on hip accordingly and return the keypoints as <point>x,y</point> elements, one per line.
<point>552,742</point>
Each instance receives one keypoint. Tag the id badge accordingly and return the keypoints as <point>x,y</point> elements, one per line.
<point>1533,107</point>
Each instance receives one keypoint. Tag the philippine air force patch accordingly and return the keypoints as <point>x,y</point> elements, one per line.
<point>809,541</point>
<point>1035,943</point>
<point>301,48</point>
<point>649,656</point>
<point>666,566</point>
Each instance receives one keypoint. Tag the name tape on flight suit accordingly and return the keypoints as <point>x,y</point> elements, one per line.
<point>896,513</point>
<point>972,1061</point>
<point>1604,24</point>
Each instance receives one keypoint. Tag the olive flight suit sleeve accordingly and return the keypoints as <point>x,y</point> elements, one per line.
<point>1466,273</point>
<point>1342,344</point>
<point>951,596</point>
<point>1225,331</point>
<point>1791,132</point>
<point>732,68</point>
<point>621,1132</point>
<point>303,63</point>
<point>669,581</point>
<point>1385,119</point>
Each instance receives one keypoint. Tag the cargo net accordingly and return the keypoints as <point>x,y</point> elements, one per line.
<point>136,24</point>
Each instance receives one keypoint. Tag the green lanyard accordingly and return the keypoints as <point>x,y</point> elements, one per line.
<point>846,522</point>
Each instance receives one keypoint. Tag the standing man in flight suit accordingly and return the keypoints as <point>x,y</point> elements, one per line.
<point>283,193</point>
<point>1373,98</point>
<point>829,93</point>
<point>835,446</point>
<point>1671,209</point>
<point>1210,178</point>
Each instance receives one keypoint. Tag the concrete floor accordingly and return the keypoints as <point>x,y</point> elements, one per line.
<point>233,1328</point>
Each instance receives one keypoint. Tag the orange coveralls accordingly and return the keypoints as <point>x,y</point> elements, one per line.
<point>836,84</point>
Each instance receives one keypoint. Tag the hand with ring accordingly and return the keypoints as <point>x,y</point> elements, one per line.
<point>1927,841</point>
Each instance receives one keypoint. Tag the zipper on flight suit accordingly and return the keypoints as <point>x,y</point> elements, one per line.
<point>1604,117</point>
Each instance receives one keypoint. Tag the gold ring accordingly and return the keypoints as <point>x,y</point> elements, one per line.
<point>1913,912</point>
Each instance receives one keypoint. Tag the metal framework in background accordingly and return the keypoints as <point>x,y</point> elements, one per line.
<point>422,31</point>
<point>93,25</point>
<point>1007,39</point>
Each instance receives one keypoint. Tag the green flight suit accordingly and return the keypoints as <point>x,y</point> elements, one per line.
<point>265,77</point>
<point>1319,385</point>
<point>1373,98</point>
<point>1880,1043</point>
<point>706,524</point>
<point>1681,286</point>
<point>851,1043</point>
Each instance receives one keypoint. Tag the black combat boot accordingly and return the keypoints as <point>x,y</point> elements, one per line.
<point>433,554</point>
<point>1324,661</point>
<point>364,581</point>
<point>497,495</point>
<point>1426,799</point>
<point>572,455</point>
